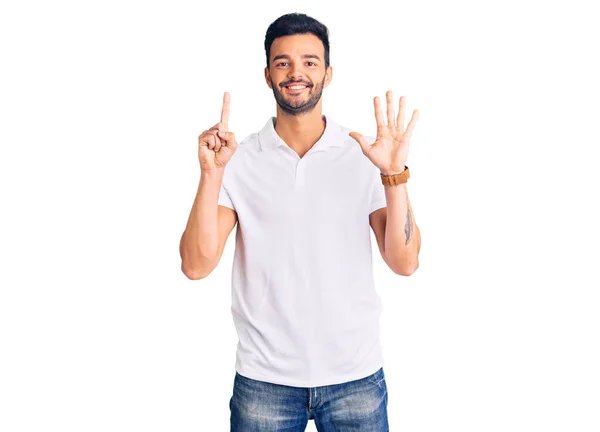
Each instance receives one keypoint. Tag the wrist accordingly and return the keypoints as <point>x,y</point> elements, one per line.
<point>212,176</point>
<point>214,172</point>
<point>393,178</point>
<point>389,172</point>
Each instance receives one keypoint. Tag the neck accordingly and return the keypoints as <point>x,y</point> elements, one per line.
<point>300,132</point>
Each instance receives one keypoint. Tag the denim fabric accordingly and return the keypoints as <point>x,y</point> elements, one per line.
<point>359,405</point>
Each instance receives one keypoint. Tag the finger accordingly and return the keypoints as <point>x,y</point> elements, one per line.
<point>219,127</point>
<point>378,113</point>
<point>218,141</point>
<point>225,110</point>
<point>203,139</point>
<point>209,139</point>
<point>225,137</point>
<point>390,108</point>
<point>400,124</point>
<point>228,139</point>
<point>364,145</point>
<point>411,124</point>
<point>214,142</point>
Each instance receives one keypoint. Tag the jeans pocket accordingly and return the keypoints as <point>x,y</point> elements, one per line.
<point>378,378</point>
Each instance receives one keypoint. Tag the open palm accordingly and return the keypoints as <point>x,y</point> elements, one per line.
<point>390,149</point>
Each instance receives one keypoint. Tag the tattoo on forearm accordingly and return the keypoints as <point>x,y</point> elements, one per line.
<point>408,227</point>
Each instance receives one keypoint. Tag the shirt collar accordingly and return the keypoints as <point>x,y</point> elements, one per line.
<point>331,137</point>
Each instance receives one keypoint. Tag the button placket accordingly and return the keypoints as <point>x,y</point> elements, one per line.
<point>300,172</point>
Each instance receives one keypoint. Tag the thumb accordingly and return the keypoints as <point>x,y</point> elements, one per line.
<point>228,137</point>
<point>364,145</point>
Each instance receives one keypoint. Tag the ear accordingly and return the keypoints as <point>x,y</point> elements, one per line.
<point>268,78</point>
<point>328,75</point>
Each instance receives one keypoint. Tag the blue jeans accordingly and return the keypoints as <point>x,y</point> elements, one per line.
<point>359,405</point>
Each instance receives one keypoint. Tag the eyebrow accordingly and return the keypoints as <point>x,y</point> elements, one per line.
<point>285,56</point>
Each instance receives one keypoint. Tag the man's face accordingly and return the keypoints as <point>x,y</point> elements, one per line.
<point>297,59</point>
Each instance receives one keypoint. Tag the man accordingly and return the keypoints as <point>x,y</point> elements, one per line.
<point>304,194</point>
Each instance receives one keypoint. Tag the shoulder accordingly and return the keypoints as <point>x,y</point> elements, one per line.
<point>250,142</point>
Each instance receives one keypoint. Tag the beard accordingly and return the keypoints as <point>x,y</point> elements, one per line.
<point>296,105</point>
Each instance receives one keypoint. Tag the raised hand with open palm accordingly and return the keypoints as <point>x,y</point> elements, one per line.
<point>390,149</point>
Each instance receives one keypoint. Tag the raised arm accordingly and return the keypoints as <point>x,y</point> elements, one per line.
<point>200,245</point>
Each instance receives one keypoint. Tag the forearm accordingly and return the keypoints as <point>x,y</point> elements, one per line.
<point>402,236</point>
<point>199,242</point>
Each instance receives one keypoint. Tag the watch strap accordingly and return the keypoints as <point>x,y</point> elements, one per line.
<point>396,179</point>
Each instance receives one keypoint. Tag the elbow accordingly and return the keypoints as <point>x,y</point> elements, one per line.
<point>406,269</point>
<point>192,273</point>
<point>196,266</point>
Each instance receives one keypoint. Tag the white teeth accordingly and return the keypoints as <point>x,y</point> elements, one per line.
<point>296,87</point>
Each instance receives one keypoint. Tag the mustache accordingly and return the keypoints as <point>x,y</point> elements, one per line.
<point>296,82</point>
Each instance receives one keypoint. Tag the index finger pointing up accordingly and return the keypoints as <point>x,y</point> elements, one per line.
<point>225,109</point>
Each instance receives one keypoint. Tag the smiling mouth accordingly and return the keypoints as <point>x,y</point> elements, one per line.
<point>295,88</point>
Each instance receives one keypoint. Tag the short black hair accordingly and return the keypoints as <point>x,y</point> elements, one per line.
<point>296,23</point>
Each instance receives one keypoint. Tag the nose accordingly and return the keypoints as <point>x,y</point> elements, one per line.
<point>295,73</point>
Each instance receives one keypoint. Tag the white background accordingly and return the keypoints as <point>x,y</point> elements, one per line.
<point>101,105</point>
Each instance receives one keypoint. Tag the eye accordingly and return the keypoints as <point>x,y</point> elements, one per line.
<point>279,64</point>
<point>312,63</point>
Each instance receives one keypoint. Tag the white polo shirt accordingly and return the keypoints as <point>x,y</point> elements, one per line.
<point>303,299</point>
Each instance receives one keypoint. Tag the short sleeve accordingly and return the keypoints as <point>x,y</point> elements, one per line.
<point>377,192</point>
<point>224,198</point>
